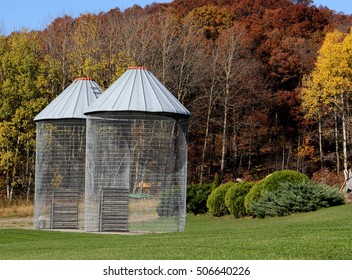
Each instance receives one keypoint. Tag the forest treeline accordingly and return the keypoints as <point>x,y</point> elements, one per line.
<point>239,66</point>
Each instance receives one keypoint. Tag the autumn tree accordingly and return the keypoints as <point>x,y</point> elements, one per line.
<point>244,100</point>
<point>57,46</point>
<point>86,56</point>
<point>211,20</point>
<point>20,102</point>
<point>135,34</point>
<point>168,36</point>
<point>114,60</point>
<point>327,91</point>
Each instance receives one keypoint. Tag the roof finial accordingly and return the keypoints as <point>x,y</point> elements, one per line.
<point>137,67</point>
<point>84,79</point>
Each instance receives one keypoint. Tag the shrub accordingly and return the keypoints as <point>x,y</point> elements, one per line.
<point>197,196</point>
<point>271,183</point>
<point>216,200</point>
<point>296,197</point>
<point>253,195</point>
<point>216,182</point>
<point>234,198</point>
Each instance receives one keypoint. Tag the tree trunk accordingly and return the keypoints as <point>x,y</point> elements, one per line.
<point>9,192</point>
<point>206,135</point>
<point>28,193</point>
<point>235,152</point>
<point>224,129</point>
<point>321,156</point>
<point>210,105</point>
<point>337,146</point>
<point>344,136</point>
<point>298,162</point>
<point>346,172</point>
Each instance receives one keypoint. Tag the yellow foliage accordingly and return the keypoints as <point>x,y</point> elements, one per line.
<point>331,77</point>
<point>211,20</point>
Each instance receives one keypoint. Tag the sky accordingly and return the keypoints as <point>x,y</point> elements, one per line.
<point>37,14</point>
<point>344,6</point>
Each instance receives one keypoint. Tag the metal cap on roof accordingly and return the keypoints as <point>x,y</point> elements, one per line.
<point>138,90</point>
<point>73,101</point>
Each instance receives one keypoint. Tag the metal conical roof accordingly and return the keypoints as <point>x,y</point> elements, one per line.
<point>138,90</point>
<point>73,101</point>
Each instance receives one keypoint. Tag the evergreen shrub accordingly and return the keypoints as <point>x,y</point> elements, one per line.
<point>197,196</point>
<point>271,183</point>
<point>216,182</point>
<point>216,200</point>
<point>253,195</point>
<point>296,197</point>
<point>234,198</point>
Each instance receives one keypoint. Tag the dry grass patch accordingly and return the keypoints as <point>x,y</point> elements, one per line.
<point>143,209</point>
<point>17,208</point>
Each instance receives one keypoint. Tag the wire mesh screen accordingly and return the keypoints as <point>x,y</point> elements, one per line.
<point>136,173</point>
<point>60,174</point>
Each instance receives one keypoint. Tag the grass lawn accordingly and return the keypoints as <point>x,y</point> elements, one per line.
<point>320,235</point>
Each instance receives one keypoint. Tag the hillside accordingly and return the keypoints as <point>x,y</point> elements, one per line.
<point>238,66</point>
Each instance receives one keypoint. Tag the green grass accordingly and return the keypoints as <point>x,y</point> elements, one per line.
<point>324,234</point>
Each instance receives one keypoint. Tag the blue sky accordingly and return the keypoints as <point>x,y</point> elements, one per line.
<point>344,6</point>
<point>37,14</point>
